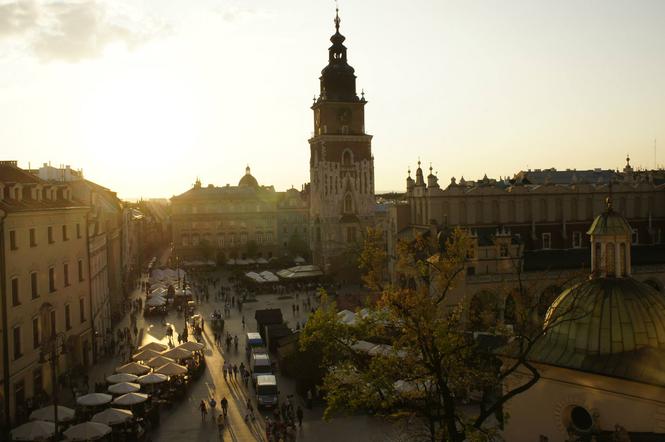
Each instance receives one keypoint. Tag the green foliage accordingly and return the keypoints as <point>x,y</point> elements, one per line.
<point>251,248</point>
<point>297,246</point>
<point>205,249</point>
<point>432,363</point>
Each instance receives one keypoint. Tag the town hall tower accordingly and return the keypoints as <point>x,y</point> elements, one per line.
<point>341,163</point>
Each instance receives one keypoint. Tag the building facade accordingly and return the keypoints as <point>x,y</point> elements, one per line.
<point>529,231</point>
<point>45,285</point>
<point>342,201</point>
<point>243,221</point>
<point>104,230</point>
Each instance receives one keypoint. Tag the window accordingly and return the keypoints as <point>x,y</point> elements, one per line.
<point>54,328</point>
<point>34,288</point>
<point>65,271</point>
<point>50,235</point>
<point>547,240</point>
<point>33,238</point>
<point>82,309</point>
<point>350,234</point>
<point>64,233</point>
<point>610,259</point>
<point>78,231</point>
<point>503,250</point>
<point>635,237</point>
<point>37,382</point>
<point>51,279</point>
<point>35,332</point>
<point>348,204</point>
<point>12,240</point>
<point>577,240</point>
<point>68,317</point>
<point>17,342</point>
<point>80,270</point>
<point>15,295</point>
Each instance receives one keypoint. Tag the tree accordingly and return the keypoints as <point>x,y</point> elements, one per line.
<point>251,248</point>
<point>430,364</point>
<point>297,246</point>
<point>206,249</point>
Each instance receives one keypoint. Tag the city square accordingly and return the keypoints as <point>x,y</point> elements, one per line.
<point>449,227</point>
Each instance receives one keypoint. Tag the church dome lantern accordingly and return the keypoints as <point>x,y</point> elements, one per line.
<point>610,324</point>
<point>248,180</point>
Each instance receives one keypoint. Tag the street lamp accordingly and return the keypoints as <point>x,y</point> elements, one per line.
<point>50,352</point>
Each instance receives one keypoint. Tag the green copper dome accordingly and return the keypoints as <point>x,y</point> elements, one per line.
<point>609,223</point>
<point>609,326</point>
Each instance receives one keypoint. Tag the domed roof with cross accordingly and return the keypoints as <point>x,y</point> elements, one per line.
<point>248,180</point>
<point>610,324</point>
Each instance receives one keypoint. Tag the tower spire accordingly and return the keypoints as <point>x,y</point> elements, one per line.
<point>337,19</point>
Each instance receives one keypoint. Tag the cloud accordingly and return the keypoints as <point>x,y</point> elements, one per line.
<point>71,30</point>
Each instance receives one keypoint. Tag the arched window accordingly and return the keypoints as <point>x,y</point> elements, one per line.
<point>347,158</point>
<point>610,259</point>
<point>509,313</point>
<point>348,204</point>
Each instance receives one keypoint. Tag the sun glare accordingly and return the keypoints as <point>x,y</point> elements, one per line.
<point>145,117</point>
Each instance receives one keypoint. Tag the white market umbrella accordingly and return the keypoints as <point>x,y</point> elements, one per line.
<point>121,377</point>
<point>191,346</point>
<point>35,430</point>
<point>133,368</point>
<point>130,399</point>
<point>171,369</point>
<point>113,416</point>
<point>152,378</point>
<point>87,431</point>
<point>94,399</point>
<point>155,301</point>
<point>178,353</point>
<point>48,414</point>
<point>159,361</point>
<point>145,355</point>
<point>154,345</point>
<point>124,388</point>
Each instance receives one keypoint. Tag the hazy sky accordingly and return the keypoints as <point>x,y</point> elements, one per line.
<point>146,95</point>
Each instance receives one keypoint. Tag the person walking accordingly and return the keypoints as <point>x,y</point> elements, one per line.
<point>213,403</point>
<point>235,371</point>
<point>225,406</point>
<point>299,414</point>
<point>204,410</point>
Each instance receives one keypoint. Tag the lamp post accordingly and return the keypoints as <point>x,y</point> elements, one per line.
<point>50,352</point>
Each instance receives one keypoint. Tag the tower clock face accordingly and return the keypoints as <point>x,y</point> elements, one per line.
<point>344,115</point>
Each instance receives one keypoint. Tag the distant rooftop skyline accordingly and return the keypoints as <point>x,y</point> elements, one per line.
<point>146,97</point>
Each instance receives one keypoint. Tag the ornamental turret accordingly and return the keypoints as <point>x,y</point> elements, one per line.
<point>610,244</point>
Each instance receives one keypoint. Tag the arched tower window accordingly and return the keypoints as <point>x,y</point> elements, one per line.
<point>610,259</point>
<point>347,158</point>
<point>348,204</point>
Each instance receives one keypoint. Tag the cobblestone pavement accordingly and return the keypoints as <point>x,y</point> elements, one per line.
<point>183,421</point>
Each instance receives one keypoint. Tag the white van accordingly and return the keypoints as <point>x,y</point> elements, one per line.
<point>259,364</point>
<point>267,394</point>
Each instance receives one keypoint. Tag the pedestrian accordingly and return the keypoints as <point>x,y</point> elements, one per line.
<point>299,413</point>
<point>204,410</point>
<point>243,322</point>
<point>213,403</point>
<point>225,405</point>
<point>250,411</point>
<point>235,371</point>
<point>224,370</point>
